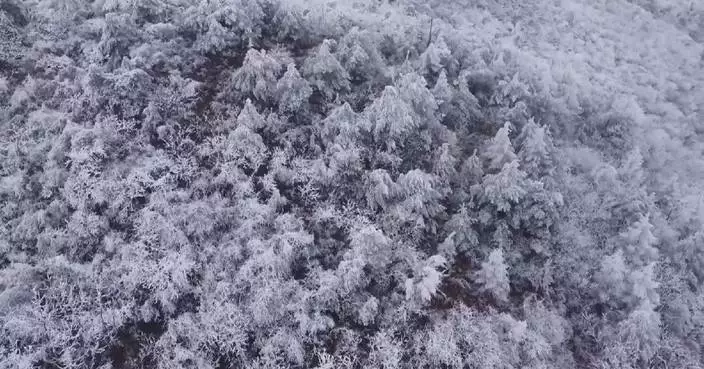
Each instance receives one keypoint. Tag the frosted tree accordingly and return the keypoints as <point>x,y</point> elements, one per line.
<point>551,326</point>
<point>510,191</point>
<point>471,171</point>
<point>426,281</point>
<point>504,189</point>
<point>243,145</point>
<point>390,119</point>
<point>381,189</point>
<point>461,225</point>
<point>629,197</point>
<point>635,340</point>
<point>644,286</point>
<point>640,242</point>
<point>118,30</point>
<point>341,125</point>
<point>536,150</point>
<point>447,248</point>
<point>292,90</point>
<point>372,242</point>
<point>501,237</point>
<point>247,17</point>
<point>629,274</point>
<point>152,117</point>
<point>624,286</point>
<point>86,231</point>
<point>413,89</point>
<point>445,163</point>
<point>368,312</point>
<point>500,151</point>
<point>539,211</point>
<point>125,90</point>
<point>442,346</point>
<point>612,277</point>
<point>325,73</point>
<point>420,198</point>
<point>250,118</point>
<point>359,54</point>
<point>493,275</point>
<point>339,133</point>
<point>370,250</point>
<point>443,93</point>
<point>215,39</point>
<point>257,77</point>
<point>386,351</point>
<point>59,324</point>
<point>436,56</point>
<point>511,90</point>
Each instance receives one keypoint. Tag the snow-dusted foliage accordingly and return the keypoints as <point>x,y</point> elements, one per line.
<point>351,184</point>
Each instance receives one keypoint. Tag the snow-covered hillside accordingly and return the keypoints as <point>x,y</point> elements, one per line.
<point>351,184</point>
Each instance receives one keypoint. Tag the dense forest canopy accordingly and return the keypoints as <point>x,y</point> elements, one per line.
<point>351,184</point>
